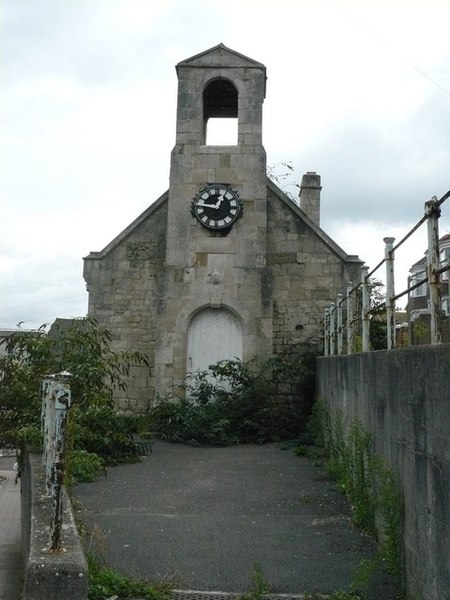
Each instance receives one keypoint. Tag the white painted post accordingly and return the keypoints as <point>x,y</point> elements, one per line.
<point>349,324</point>
<point>433,212</point>
<point>390,291</point>
<point>48,428</point>
<point>365,316</point>
<point>56,403</point>
<point>340,333</point>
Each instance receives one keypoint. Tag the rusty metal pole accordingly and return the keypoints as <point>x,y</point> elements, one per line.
<point>326,332</point>
<point>365,316</point>
<point>390,291</point>
<point>332,331</point>
<point>340,336</point>
<point>349,324</point>
<point>58,398</point>
<point>48,429</point>
<point>433,212</point>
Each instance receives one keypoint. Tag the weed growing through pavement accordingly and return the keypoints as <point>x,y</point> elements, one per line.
<point>106,582</point>
<point>370,487</point>
<point>259,586</point>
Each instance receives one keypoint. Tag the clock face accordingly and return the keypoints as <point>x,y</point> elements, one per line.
<point>217,206</point>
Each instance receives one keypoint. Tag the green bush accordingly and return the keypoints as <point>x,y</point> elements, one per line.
<point>31,435</point>
<point>84,466</point>
<point>257,401</point>
<point>100,430</point>
<point>84,349</point>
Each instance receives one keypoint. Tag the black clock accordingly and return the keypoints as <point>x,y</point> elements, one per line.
<point>217,206</point>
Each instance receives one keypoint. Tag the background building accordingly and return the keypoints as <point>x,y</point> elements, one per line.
<point>418,299</point>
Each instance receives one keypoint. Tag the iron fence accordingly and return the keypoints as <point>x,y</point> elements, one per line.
<point>348,321</point>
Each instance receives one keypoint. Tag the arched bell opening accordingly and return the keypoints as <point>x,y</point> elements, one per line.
<point>220,113</point>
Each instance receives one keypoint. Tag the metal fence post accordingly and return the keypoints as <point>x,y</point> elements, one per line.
<point>340,332</point>
<point>332,331</point>
<point>349,324</point>
<point>390,291</point>
<point>433,212</point>
<point>326,322</point>
<point>365,309</point>
<point>56,403</point>
<point>47,425</point>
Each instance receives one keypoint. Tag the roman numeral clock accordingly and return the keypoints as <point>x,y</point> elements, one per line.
<point>217,207</point>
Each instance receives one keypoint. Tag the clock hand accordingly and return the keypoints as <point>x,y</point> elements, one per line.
<point>219,201</point>
<point>215,205</point>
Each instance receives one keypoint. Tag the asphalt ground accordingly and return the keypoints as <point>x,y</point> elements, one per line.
<point>11,565</point>
<point>206,518</point>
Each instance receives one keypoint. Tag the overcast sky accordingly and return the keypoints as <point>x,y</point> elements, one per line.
<point>357,91</point>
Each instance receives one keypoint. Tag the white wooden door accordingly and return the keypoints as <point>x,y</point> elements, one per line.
<point>213,335</point>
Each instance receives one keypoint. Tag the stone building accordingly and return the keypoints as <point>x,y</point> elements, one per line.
<point>223,264</point>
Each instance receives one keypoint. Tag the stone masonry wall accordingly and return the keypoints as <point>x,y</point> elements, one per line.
<point>307,275</point>
<point>123,297</point>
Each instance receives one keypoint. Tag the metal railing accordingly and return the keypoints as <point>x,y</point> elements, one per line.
<point>347,321</point>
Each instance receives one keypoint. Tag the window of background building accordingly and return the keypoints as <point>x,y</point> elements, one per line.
<point>422,289</point>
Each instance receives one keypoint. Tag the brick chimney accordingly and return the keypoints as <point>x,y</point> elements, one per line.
<point>310,196</point>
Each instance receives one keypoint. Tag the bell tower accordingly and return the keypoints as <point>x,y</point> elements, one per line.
<point>217,194</point>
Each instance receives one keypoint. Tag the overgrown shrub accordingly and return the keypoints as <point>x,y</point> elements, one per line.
<point>83,349</point>
<point>101,430</point>
<point>84,466</point>
<point>257,401</point>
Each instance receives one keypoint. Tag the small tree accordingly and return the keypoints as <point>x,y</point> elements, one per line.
<point>377,333</point>
<point>378,329</point>
<point>282,173</point>
<point>83,349</point>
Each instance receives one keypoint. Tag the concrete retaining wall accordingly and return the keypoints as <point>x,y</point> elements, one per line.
<point>403,398</point>
<point>48,576</point>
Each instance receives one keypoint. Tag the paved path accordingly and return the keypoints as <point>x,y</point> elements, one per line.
<point>206,516</point>
<point>10,537</point>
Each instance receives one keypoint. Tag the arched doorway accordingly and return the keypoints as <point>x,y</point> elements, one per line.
<point>213,335</point>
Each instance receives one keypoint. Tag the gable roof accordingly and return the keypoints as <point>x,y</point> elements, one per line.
<point>326,239</point>
<point>220,56</point>
<point>129,230</point>
<point>60,325</point>
<point>419,265</point>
